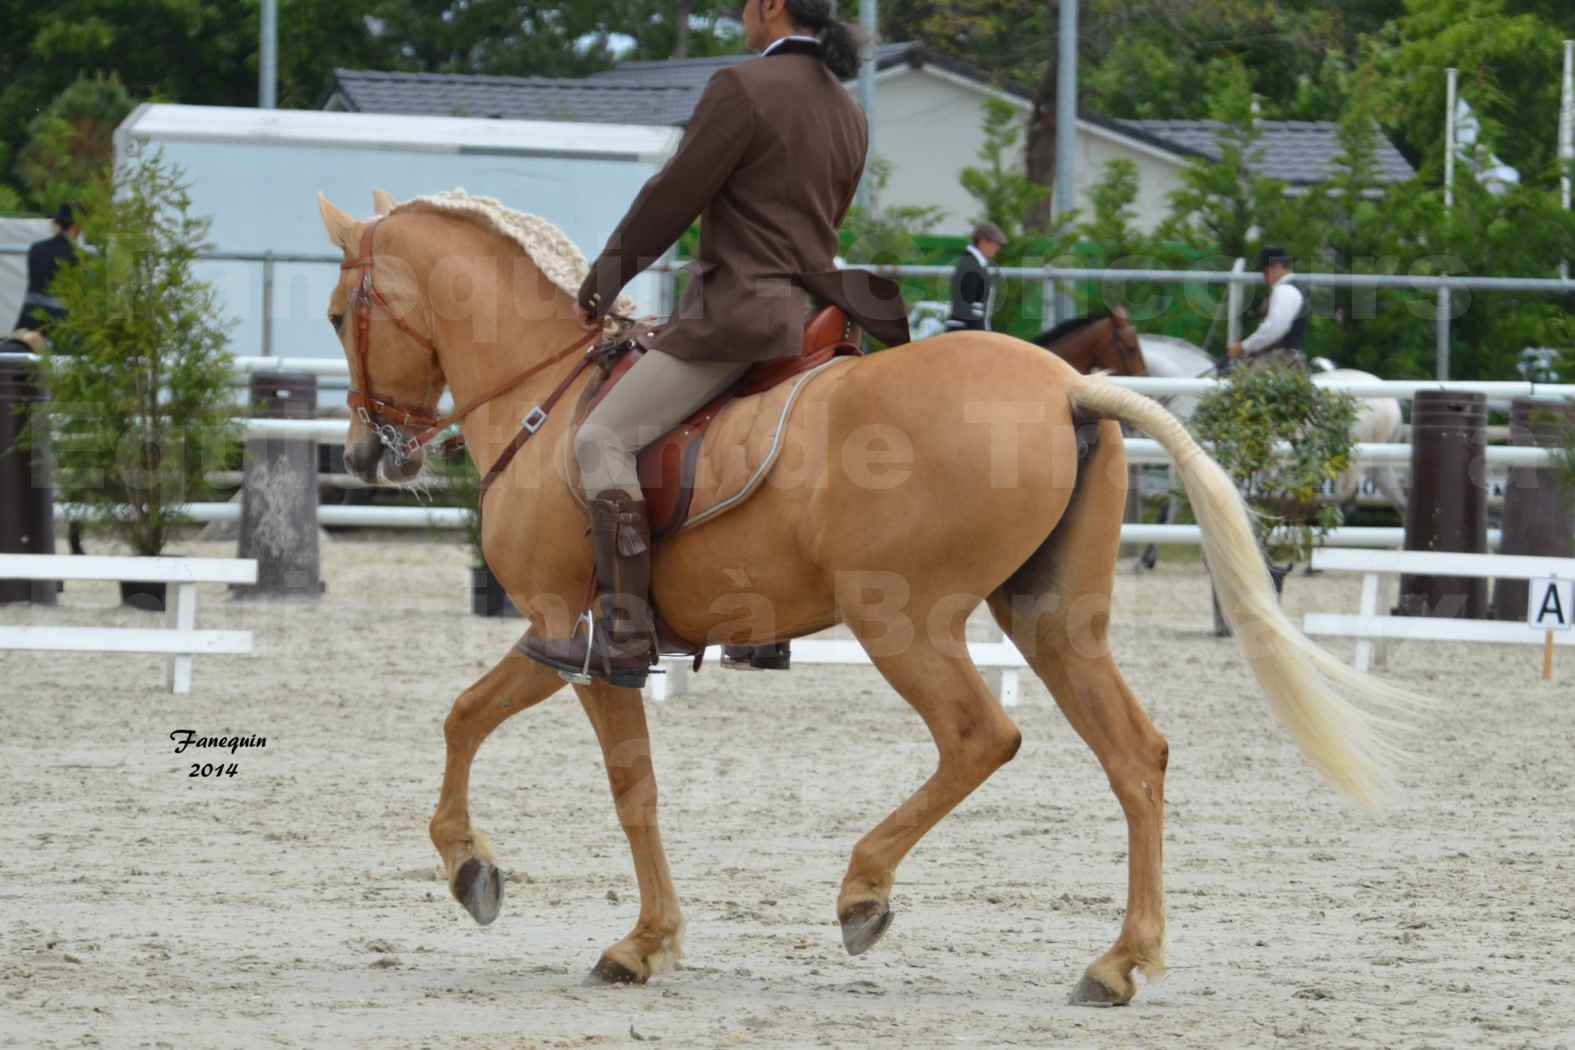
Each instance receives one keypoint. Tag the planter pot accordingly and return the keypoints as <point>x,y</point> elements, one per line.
<point>149,597</point>
<point>487,597</point>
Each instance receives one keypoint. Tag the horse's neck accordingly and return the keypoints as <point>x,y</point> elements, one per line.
<point>1079,349</point>
<point>514,322</point>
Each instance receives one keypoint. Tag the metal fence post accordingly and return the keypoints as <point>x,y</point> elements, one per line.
<point>267,306</point>
<point>1233,305</point>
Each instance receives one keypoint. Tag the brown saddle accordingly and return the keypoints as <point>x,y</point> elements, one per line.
<point>668,465</point>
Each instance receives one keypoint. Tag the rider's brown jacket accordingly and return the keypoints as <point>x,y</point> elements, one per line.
<point>769,162</point>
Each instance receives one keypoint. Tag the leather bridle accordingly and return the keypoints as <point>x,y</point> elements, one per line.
<point>390,420</point>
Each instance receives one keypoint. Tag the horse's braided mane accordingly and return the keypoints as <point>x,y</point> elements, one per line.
<point>557,257</point>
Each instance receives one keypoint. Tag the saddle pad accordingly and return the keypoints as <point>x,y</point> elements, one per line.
<point>737,450</point>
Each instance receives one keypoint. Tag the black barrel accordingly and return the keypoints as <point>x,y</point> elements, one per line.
<point>1539,512</point>
<point>1448,505</point>
<point>279,493</point>
<point>27,501</point>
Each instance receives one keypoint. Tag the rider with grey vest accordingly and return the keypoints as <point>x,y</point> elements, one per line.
<point>1278,340</point>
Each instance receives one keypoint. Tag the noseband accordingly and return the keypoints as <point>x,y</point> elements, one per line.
<point>390,419</point>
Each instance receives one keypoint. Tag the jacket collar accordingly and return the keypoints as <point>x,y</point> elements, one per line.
<point>792,45</point>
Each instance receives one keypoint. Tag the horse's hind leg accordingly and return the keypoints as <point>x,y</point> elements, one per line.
<point>1056,609</point>
<point>655,943</point>
<point>517,682</point>
<point>972,733</point>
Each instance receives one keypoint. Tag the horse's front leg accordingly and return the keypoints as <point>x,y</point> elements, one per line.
<point>655,943</point>
<point>517,682</point>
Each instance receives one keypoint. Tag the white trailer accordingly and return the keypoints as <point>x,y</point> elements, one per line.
<point>256,174</point>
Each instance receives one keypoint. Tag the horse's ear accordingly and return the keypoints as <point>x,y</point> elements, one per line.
<point>1121,312</point>
<point>341,227</point>
<point>383,202</point>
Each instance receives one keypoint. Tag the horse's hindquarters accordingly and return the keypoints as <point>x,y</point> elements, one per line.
<point>927,472</point>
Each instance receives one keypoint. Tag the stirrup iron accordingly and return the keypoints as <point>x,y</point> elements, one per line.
<point>583,676</point>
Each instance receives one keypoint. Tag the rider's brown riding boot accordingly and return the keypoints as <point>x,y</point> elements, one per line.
<point>621,642</point>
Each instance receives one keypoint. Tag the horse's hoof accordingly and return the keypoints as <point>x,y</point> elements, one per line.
<point>610,971</point>
<point>1090,992</point>
<point>479,887</point>
<point>864,926</point>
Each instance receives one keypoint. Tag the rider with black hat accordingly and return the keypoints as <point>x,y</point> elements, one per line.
<point>1278,339</point>
<point>44,260</point>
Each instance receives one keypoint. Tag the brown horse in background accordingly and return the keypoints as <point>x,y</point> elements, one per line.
<point>968,468</point>
<point>1091,344</point>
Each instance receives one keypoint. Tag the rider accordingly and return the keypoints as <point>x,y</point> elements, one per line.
<point>44,260</point>
<point>973,287</point>
<point>769,162</point>
<point>1278,340</point>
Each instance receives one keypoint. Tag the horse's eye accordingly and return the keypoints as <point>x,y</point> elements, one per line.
<point>336,320</point>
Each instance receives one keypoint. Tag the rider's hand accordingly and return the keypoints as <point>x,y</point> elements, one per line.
<point>1234,350</point>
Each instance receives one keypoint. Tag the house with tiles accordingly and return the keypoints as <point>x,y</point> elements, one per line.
<point>929,123</point>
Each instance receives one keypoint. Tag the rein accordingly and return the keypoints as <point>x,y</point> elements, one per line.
<point>389,419</point>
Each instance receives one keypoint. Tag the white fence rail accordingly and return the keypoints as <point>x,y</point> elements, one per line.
<point>1368,627</point>
<point>180,640</point>
<point>1153,386</point>
<point>1139,450</point>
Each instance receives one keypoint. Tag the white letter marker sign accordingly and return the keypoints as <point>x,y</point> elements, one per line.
<point>1550,605</point>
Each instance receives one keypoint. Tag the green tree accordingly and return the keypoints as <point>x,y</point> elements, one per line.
<point>139,372</point>
<point>1006,195</point>
<point>1110,228</point>
<point>1226,206</point>
<point>1360,223</point>
<point>885,235</point>
<point>73,141</point>
<point>1509,56</point>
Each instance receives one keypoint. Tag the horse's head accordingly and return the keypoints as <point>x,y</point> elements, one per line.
<point>1128,350</point>
<point>384,324</point>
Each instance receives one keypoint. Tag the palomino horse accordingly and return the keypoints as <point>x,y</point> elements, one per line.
<point>1105,343</point>
<point>910,504</point>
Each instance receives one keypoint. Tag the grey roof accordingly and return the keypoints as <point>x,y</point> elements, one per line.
<point>664,93</point>
<point>657,92</point>
<point>694,72</point>
<point>1301,152</point>
<point>512,98</point>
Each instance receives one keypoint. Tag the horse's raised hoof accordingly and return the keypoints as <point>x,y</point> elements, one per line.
<point>864,925</point>
<point>479,887</point>
<point>1092,992</point>
<point>611,971</point>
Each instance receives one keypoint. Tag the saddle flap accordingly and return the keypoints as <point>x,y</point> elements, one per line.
<point>668,466</point>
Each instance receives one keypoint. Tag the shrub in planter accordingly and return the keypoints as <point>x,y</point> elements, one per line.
<point>1248,424</point>
<point>139,371</point>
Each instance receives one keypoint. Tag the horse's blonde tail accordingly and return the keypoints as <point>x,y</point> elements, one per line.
<point>1313,693</point>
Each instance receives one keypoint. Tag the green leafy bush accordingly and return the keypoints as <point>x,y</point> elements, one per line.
<point>138,373</point>
<point>1249,422</point>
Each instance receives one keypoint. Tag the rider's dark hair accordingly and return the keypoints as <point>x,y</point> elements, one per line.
<point>839,43</point>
